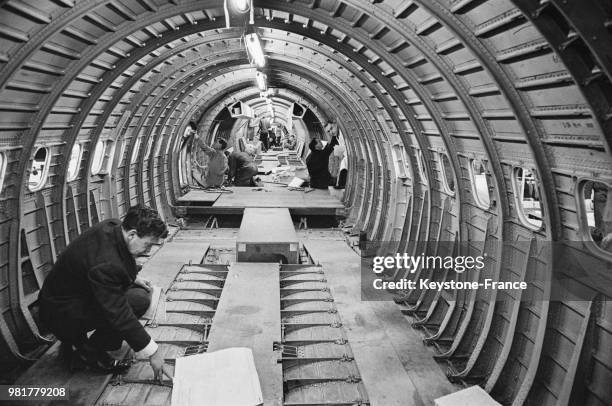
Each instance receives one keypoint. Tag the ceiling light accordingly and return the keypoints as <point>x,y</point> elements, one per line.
<point>255,50</point>
<point>241,6</point>
<point>261,81</point>
<point>238,7</point>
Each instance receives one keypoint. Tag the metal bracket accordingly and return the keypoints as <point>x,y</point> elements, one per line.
<point>195,349</point>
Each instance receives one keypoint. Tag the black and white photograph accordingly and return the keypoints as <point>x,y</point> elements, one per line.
<point>306,202</point>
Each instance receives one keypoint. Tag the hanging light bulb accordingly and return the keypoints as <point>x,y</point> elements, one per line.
<point>261,81</point>
<point>238,8</point>
<point>241,6</point>
<point>255,50</point>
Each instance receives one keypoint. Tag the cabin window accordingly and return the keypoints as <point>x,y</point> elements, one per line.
<point>135,151</point>
<point>2,169</point>
<point>422,166</point>
<point>121,152</point>
<point>448,175</point>
<point>73,164</point>
<point>98,158</point>
<point>39,170</point>
<point>480,185</point>
<point>528,195</point>
<point>400,162</point>
<point>149,147</point>
<point>595,196</point>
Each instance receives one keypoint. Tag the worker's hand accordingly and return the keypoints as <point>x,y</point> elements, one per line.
<point>159,368</point>
<point>146,285</point>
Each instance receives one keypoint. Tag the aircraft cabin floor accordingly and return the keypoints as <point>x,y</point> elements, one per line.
<point>336,349</point>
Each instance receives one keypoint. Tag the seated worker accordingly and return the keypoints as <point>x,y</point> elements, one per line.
<point>290,142</point>
<point>94,285</point>
<point>241,167</point>
<point>217,162</point>
<point>318,160</point>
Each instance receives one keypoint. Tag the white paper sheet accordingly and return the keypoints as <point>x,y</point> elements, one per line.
<point>222,378</point>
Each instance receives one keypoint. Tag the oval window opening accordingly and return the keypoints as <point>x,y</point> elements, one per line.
<point>595,198</point>
<point>480,184</point>
<point>38,172</point>
<point>421,163</point>
<point>73,165</point>
<point>528,195</point>
<point>135,151</point>
<point>98,158</point>
<point>2,170</point>
<point>449,177</point>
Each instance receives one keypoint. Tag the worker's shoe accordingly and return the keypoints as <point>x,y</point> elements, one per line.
<point>100,360</point>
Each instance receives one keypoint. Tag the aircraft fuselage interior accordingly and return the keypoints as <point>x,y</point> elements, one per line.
<point>387,202</point>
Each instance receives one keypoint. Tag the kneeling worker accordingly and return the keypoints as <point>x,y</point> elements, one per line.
<point>241,167</point>
<point>94,286</point>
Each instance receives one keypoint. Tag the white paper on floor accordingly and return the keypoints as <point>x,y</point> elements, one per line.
<point>222,378</point>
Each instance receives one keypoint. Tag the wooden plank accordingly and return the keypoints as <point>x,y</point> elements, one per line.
<point>252,321</point>
<point>267,235</point>
<point>267,225</point>
<point>383,342</point>
<point>199,196</point>
<point>277,197</point>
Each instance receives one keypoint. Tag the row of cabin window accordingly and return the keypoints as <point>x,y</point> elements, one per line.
<point>527,188</point>
<point>593,196</point>
<point>102,160</point>
<point>526,184</point>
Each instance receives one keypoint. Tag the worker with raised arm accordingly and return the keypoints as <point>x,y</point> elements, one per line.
<point>318,160</point>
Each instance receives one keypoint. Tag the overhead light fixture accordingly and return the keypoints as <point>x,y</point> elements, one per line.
<point>242,6</point>
<point>255,50</point>
<point>261,81</point>
<point>238,7</point>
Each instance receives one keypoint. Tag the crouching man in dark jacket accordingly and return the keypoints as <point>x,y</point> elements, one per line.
<point>94,286</point>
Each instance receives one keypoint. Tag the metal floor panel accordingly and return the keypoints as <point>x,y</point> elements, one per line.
<point>294,284</point>
<point>172,333</point>
<point>326,393</point>
<point>172,318</point>
<point>301,294</point>
<point>327,350</point>
<point>191,293</point>
<point>191,307</point>
<point>325,370</point>
<point>316,333</point>
<point>311,305</point>
<point>318,364</point>
<point>136,394</point>
<point>314,317</point>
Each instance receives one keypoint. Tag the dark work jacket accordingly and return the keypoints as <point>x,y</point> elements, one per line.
<point>241,169</point>
<point>318,164</point>
<point>89,280</point>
